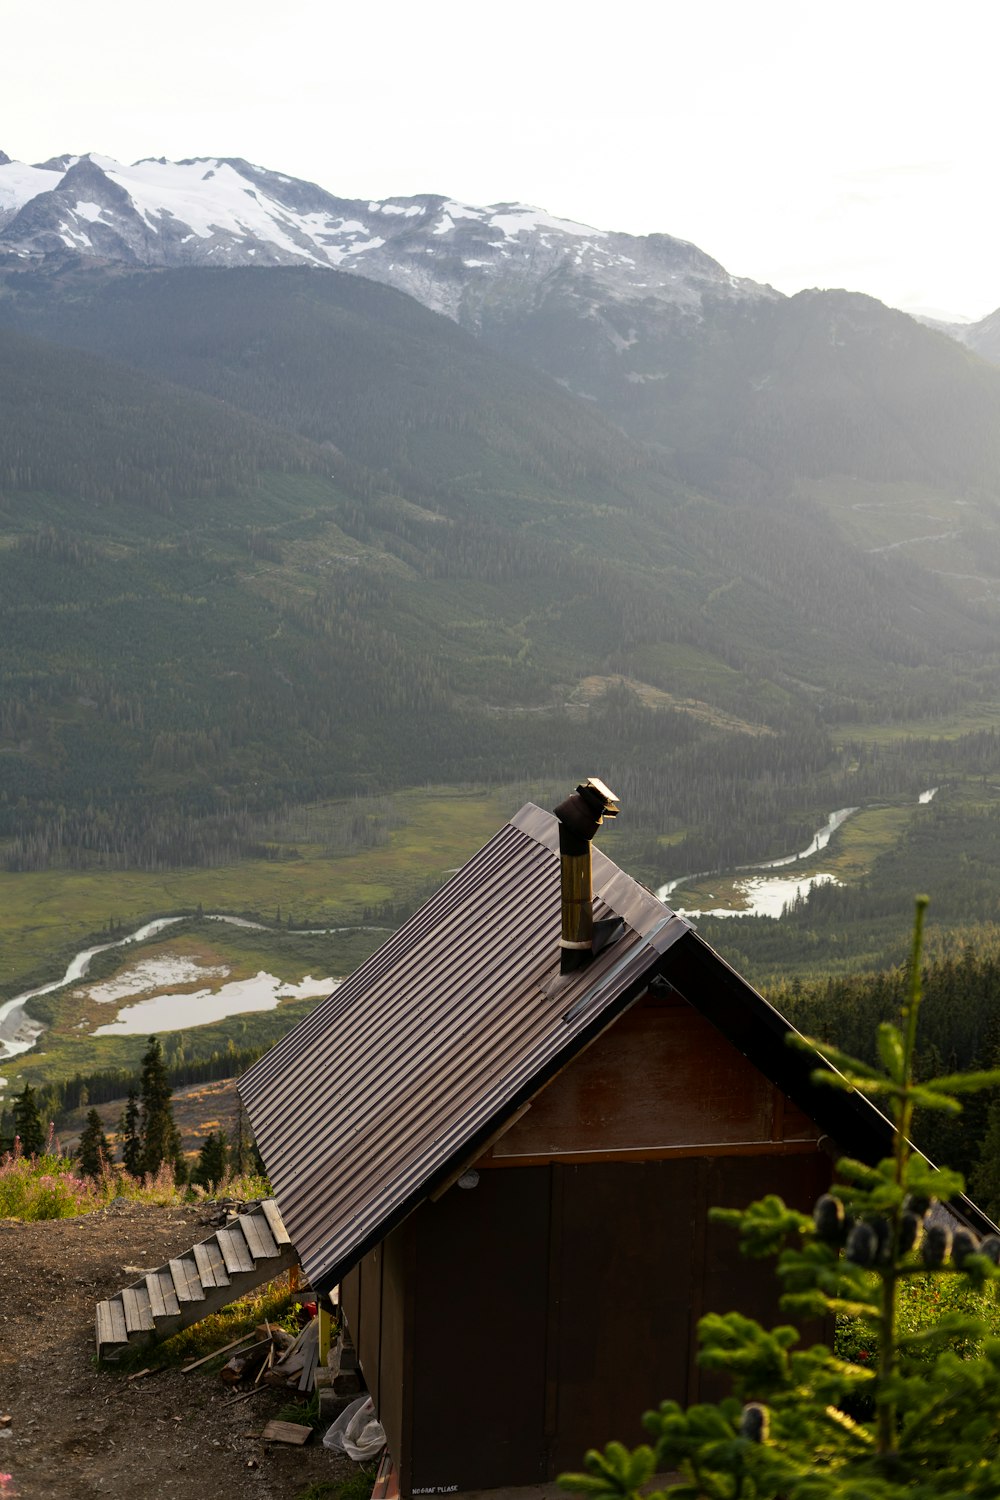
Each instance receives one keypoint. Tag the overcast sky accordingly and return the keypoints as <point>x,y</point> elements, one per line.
<point>801,144</point>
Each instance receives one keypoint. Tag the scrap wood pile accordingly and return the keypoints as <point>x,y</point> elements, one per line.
<point>272,1357</point>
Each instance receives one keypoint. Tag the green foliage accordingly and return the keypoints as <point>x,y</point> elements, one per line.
<point>129,1135</point>
<point>51,1187</point>
<point>161,1141</point>
<point>915,1410</point>
<point>213,1161</point>
<point>28,1125</point>
<point>93,1152</point>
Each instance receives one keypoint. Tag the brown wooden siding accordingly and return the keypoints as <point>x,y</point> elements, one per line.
<point>541,1312</point>
<point>662,1079</point>
<point>369,1336</point>
<point>394,1401</point>
<point>481,1286</point>
<point>621,1296</point>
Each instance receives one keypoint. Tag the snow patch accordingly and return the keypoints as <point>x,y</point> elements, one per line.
<point>19,184</point>
<point>515,219</point>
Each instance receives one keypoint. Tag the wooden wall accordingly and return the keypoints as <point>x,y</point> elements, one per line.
<point>662,1081</point>
<point>506,1328</point>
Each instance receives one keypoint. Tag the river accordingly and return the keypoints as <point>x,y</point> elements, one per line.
<point>768,896</point>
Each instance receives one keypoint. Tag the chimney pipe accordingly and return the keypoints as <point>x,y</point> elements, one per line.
<point>580,816</point>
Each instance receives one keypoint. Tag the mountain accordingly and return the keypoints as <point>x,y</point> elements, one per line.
<point>738,386</point>
<point>453,257</point>
<point>271,532</point>
<point>325,541</point>
<point>982,337</point>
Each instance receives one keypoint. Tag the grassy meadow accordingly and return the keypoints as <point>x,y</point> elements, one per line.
<point>351,898</point>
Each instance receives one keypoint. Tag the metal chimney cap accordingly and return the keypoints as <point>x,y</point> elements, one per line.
<point>595,787</point>
<point>583,812</point>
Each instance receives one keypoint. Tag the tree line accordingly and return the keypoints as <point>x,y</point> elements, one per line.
<point>147,1137</point>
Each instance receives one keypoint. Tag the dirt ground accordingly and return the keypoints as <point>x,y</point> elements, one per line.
<point>78,1430</point>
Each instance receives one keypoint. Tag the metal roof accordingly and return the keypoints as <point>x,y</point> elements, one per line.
<point>405,1074</point>
<point>409,1068</point>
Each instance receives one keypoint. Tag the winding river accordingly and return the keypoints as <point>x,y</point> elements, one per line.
<point>767,896</point>
<point>19,1032</point>
<point>764,895</point>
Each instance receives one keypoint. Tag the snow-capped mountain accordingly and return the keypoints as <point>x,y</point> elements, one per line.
<point>460,260</point>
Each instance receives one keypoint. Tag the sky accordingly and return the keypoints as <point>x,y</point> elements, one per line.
<point>800,143</point>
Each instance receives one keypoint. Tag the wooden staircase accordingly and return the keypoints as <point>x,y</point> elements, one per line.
<point>253,1248</point>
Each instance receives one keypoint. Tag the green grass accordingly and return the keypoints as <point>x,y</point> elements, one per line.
<point>949,726</point>
<point>357,1487</point>
<point>272,1303</point>
<point>47,915</point>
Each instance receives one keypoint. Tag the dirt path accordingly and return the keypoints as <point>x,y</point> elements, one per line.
<point>79,1431</point>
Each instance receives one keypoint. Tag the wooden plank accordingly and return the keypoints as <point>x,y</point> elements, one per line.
<point>168,1294</point>
<point>187,1282</point>
<point>157,1306</point>
<point>138,1318</point>
<point>211,1267</point>
<point>276,1223</point>
<point>258,1236</point>
<point>110,1325</point>
<point>654,1153</point>
<point>222,1349</point>
<point>663,1076</point>
<point>286,1432</point>
<point>119,1328</point>
<point>308,1377</point>
<point>235,1251</point>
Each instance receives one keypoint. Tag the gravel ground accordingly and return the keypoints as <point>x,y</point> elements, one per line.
<point>78,1430</point>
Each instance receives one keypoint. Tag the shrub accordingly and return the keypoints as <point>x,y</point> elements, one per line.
<point>50,1186</point>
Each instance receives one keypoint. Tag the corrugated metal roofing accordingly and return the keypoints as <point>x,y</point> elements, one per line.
<point>379,1094</point>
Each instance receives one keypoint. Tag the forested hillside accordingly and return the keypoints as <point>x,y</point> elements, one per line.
<point>275,535</point>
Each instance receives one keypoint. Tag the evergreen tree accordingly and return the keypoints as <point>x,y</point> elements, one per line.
<point>240,1151</point>
<point>213,1160</point>
<point>93,1151</point>
<point>129,1137</point>
<point>986,1174</point>
<point>161,1140</point>
<point>28,1122</point>
<point>787,1432</point>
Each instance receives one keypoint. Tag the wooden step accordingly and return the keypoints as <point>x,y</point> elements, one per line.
<point>253,1249</point>
<point>235,1250</point>
<point>187,1282</point>
<point>138,1314</point>
<point>211,1266</point>
<point>111,1327</point>
<point>258,1236</point>
<point>275,1222</point>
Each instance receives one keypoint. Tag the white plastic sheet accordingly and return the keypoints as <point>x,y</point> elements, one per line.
<point>357,1431</point>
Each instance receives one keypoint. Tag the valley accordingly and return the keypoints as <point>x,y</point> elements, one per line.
<point>325,546</point>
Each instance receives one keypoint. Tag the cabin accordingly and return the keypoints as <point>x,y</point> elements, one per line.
<point>500,1138</point>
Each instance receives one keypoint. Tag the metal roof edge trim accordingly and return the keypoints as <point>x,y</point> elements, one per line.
<point>576,1043</point>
